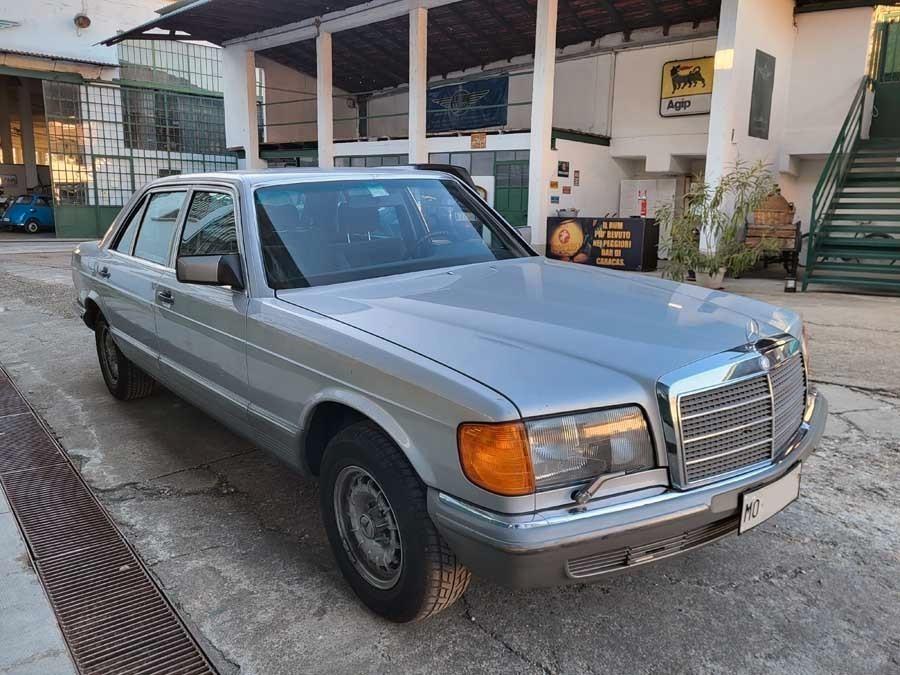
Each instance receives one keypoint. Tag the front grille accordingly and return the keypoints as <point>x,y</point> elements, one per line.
<point>620,558</point>
<point>741,424</point>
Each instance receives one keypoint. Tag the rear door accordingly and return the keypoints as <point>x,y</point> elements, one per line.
<point>201,329</point>
<point>127,274</point>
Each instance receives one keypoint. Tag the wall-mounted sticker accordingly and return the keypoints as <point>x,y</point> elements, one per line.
<point>562,169</point>
<point>576,177</point>
<point>554,199</point>
<point>554,184</point>
<point>761,95</point>
<point>478,141</point>
<point>686,87</point>
<point>567,189</point>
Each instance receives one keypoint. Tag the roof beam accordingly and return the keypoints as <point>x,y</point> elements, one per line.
<point>514,36</point>
<point>489,40</point>
<point>617,20</point>
<point>570,9</point>
<point>334,22</point>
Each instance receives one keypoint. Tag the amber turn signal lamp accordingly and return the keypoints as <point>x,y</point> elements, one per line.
<point>496,457</point>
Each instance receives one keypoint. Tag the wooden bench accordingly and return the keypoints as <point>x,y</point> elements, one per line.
<point>789,239</point>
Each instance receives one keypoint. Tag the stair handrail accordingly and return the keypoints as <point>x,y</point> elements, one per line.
<point>836,167</point>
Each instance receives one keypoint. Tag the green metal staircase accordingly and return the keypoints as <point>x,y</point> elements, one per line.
<point>854,238</point>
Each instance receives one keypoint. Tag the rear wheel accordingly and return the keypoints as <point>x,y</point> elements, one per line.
<point>375,513</point>
<point>32,227</point>
<point>124,380</point>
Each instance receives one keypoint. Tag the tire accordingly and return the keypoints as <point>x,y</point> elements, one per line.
<point>32,227</point>
<point>427,577</point>
<point>124,380</point>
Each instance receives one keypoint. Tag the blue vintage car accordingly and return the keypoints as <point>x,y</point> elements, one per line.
<point>31,213</point>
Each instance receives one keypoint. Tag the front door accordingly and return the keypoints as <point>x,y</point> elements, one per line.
<point>511,191</point>
<point>129,271</point>
<point>201,329</point>
<point>886,114</point>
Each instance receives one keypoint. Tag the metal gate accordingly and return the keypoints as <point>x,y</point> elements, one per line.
<point>886,50</point>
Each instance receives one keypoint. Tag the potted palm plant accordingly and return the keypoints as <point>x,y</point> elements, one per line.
<point>707,234</point>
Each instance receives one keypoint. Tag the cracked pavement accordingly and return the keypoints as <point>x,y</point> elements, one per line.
<point>234,538</point>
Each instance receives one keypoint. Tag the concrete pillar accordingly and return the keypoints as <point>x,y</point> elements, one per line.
<point>745,27</point>
<point>239,88</point>
<point>324,101</point>
<point>541,157</point>
<point>418,84</point>
<point>5,132</point>
<point>26,124</point>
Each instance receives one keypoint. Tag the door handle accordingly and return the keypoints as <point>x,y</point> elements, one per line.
<point>103,272</point>
<point>165,297</point>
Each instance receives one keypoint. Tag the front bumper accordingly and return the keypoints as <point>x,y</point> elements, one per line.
<point>572,545</point>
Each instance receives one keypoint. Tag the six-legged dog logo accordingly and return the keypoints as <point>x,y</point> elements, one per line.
<point>687,80</point>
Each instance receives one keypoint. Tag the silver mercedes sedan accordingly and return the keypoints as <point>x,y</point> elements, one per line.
<point>467,404</point>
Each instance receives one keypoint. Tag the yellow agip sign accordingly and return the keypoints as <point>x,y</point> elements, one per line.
<point>687,87</point>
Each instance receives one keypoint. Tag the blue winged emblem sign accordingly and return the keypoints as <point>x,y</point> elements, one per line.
<point>468,105</point>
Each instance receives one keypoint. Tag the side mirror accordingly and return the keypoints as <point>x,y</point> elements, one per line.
<point>211,270</point>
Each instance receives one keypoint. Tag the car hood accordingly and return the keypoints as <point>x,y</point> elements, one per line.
<point>550,336</point>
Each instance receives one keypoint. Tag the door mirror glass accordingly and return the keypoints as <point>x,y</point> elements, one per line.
<point>211,270</point>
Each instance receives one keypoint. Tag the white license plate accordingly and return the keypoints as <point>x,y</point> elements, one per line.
<point>757,506</point>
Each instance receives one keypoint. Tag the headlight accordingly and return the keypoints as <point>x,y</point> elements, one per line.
<point>580,447</point>
<point>516,458</point>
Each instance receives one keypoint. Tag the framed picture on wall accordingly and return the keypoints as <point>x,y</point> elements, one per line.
<point>562,169</point>
<point>761,95</point>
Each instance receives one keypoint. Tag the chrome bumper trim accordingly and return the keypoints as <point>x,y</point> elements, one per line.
<point>533,532</point>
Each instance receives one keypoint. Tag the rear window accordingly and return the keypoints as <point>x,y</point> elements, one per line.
<point>321,233</point>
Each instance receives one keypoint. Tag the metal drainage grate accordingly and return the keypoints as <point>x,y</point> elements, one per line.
<point>113,616</point>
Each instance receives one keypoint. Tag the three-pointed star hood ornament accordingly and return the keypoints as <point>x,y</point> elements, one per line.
<point>752,332</point>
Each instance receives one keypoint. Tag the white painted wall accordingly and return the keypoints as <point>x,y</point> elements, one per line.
<point>286,84</point>
<point>638,130</point>
<point>581,99</point>
<point>600,177</point>
<point>829,61</point>
<point>400,146</point>
<point>47,26</point>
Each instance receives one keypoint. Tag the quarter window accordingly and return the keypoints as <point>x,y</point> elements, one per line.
<point>154,240</point>
<point>126,239</point>
<point>209,228</point>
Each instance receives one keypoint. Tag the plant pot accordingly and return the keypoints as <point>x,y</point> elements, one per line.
<point>713,281</point>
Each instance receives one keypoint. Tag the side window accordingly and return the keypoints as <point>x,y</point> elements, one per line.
<point>127,236</point>
<point>158,227</point>
<point>209,228</point>
<point>41,201</point>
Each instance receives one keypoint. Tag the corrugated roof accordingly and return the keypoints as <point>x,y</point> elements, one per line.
<point>461,35</point>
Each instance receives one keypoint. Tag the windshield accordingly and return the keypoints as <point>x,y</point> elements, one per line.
<point>321,233</point>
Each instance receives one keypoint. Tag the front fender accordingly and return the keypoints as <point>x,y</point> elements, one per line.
<point>374,411</point>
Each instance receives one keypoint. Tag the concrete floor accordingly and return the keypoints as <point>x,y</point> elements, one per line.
<point>30,641</point>
<point>236,540</point>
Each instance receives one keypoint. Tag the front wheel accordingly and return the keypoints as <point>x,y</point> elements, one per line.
<point>124,380</point>
<point>376,517</point>
<point>32,227</point>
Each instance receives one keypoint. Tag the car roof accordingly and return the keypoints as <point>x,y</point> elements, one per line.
<point>257,177</point>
